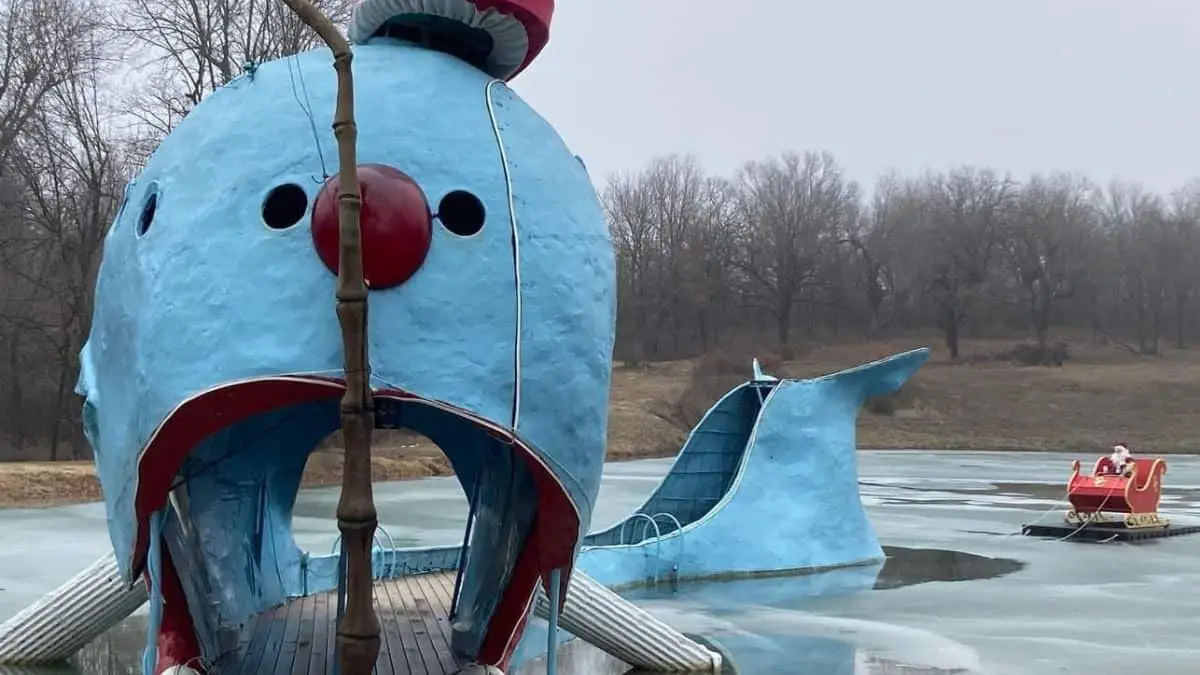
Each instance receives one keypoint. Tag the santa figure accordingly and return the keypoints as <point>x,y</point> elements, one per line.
<point>1121,458</point>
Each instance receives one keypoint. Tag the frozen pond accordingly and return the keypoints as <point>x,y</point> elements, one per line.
<point>1046,608</point>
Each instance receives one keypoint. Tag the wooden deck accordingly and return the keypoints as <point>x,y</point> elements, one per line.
<point>298,638</point>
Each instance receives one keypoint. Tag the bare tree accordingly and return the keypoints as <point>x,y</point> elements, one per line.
<point>663,220</point>
<point>1183,256</point>
<point>52,55</point>
<point>1045,242</point>
<point>1137,224</point>
<point>44,44</point>
<point>189,48</point>
<point>73,176</point>
<point>961,227</point>
<point>709,289</point>
<point>633,225</point>
<point>792,211</point>
<point>887,257</point>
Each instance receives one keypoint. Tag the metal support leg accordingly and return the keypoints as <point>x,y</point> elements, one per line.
<point>552,628</point>
<point>154,572</point>
<point>462,552</point>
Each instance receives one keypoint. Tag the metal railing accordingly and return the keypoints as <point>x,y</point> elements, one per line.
<point>384,544</point>
<point>648,522</point>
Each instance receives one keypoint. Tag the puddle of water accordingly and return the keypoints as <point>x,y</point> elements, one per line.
<point>910,566</point>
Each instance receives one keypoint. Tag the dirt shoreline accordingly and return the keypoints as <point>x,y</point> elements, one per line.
<point>1102,396</point>
<point>44,484</point>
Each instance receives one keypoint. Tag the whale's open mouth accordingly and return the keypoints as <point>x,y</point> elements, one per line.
<point>548,544</point>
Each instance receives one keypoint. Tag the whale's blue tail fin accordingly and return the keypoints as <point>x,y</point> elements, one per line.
<point>881,377</point>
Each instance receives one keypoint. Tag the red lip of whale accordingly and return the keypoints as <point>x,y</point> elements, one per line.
<point>550,545</point>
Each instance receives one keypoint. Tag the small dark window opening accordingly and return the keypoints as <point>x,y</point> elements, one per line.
<point>284,206</point>
<point>442,34</point>
<point>462,213</point>
<point>148,210</point>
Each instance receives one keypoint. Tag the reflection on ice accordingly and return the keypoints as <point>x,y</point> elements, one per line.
<point>767,640</point>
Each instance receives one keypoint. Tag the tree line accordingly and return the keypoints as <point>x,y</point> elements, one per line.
<point>790,249</point>
<point>786,250</point>
<point>87,90</point>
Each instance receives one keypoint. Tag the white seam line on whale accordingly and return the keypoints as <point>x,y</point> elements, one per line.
<point>516,246</point>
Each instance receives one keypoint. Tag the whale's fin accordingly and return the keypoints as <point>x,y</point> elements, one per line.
<point>759,375</point>
<point>881,377</point>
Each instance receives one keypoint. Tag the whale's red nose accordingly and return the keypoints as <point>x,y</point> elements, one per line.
<point>396,225</point>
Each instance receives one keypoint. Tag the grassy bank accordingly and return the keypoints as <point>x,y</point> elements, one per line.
<point>1104,394</point>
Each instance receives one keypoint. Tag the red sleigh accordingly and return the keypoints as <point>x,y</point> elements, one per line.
<point>1110,497</point>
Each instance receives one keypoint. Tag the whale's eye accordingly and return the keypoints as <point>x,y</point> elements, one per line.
<point>462,213</point>
<point>284,206</point>
<point>149,208</point>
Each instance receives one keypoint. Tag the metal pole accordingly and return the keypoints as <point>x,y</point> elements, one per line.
<point>462,552</point>
<point>341,586</point>
<point>552,629</point>
<point>154,581</point>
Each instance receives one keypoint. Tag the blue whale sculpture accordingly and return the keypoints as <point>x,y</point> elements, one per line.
<point>766,483</point>
<point>214,363</point>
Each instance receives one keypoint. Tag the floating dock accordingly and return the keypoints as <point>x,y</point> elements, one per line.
<point>298,638</point>
<point>1107,532</point>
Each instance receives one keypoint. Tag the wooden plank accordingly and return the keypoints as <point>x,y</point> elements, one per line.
<point>331,631</point>
<point>422,631</point>
<point>433,590</point>
<point>385,664</point>
<point>402,613</point>
<point>291,630</point>
<point>390,626</point>
<point>318,660</point>
<point>445,590</point>
<point>274,647</point>
<point>252,656</point>
<point>436,623</point>
<point>443,586</point>
<point>438,605</point>
<point>299,638</point>
<point>304,641</point>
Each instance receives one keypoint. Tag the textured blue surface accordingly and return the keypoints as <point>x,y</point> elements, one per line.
<point>701,475</point>
<point>209,295</point>
<point>777,465</point>
<point>794,503</point>
<point>242,504</point>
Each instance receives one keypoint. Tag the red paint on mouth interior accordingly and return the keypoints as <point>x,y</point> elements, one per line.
<point>550,545</point>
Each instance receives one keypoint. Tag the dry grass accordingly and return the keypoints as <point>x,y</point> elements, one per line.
<point>47,483</point>
<point>636,430</point>
<point>1102,395</point>
<point>641,419</point>
<point>54,483</point>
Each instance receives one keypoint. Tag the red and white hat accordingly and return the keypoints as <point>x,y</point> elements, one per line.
<point>518,29</point>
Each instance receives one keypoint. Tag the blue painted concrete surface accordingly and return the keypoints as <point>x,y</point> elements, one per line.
<point>794,502</point>
<point>777,463</point>
<point>195,292</point>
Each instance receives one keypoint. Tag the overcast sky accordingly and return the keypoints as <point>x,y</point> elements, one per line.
<point>1105,87</point>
